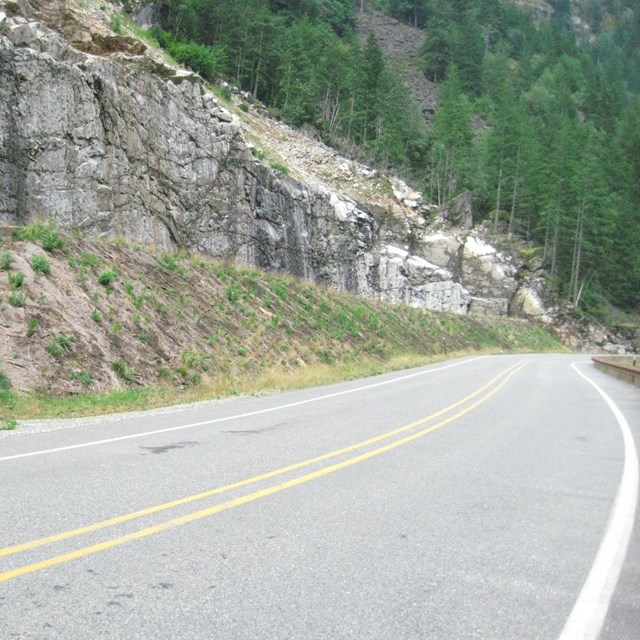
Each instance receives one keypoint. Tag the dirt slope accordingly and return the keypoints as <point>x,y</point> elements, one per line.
<point>108,315</point>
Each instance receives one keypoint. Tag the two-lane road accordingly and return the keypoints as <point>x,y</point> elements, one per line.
<point>486,498</point>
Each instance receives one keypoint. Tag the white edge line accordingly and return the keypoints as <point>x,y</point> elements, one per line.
<point>590,609</point>
<point>94,443</point>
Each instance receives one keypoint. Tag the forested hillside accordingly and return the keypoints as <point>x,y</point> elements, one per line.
<point>539,113</point>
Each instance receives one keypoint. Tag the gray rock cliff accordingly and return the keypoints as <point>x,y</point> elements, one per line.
<point>106,139</point>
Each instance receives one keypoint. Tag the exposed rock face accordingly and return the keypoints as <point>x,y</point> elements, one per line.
<point>114,143</point>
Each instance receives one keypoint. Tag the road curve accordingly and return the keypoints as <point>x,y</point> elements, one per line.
<point>485,498</point>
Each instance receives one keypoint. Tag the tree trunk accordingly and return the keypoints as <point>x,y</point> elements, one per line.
<point>496,217</point>
<point>574,280</point>
<point>554,245</point>
<point>254,93</point>
<point>516,179</point>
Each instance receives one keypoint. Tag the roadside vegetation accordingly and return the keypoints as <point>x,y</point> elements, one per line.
<point>114,327</point>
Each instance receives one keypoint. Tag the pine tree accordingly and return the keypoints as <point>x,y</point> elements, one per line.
<point>451,142</point>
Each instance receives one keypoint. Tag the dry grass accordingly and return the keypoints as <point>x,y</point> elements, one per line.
<point>35,406</point>
<point>172,328</point>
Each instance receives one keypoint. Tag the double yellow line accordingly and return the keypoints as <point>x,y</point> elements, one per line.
<point>482,394</point>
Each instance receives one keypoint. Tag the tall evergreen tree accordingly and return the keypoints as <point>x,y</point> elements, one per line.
<point>451,142</point>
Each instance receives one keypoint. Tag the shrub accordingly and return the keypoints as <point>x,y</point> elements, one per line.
<point>7,397</point>
<point>43,234</point>
<point>202,59</point>
<point>32,326</point>
<point>224,92</point>
<point>60,346</point>
<point>207,61</point>
<point>233,293</point>
<point>5,383</point>
<point>16,280</point>
<point>89,260</point>
<point>282,168</point>
<point>122,371</point>
<point>9,425</point>
<point>107,277</point>
<point>116,24</point>
<point>96,316</point>
<point>54,349</point>
<point>40,264</point>
<point>81,376</point>
<point>6,260</point>
<point>168,260</point>
<point>16,299</point>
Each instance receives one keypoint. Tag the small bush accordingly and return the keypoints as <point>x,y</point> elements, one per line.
<point>209,62</point>
<point>282,168</point>
<point>32,326</point>
<point>280,289</point>
<point>9,425</point>
<point>122,371</point>
<point>96,316</point>
<point>81,376</point>
<point>224,93</point>
<point>60,346</point>
<point>16,280</point>
<point>116,24</point>
<point>52,242</point>
<point>55,350</point>
<point>202,59</point>
<point>233,293</point>
<point>43,234</point>
<point>6,259</point>
<point>40,264</point>
<point>107,277</point>
<point>16,299</point>
<point>89,260</point>
<point>168,261</point>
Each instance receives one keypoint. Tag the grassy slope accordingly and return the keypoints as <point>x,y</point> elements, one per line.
<point>172,328</point>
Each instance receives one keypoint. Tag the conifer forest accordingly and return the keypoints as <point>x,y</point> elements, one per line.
<point>538,114</point>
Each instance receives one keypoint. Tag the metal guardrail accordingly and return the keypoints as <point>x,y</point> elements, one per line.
<point>623,367</point>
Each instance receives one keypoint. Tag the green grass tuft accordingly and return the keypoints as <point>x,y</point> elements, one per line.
<point>40,264</point>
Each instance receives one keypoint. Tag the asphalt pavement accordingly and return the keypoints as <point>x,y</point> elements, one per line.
<point>488,497</point>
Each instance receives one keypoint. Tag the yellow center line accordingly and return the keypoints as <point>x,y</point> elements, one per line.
<point>256,495</point>
<point>25,546</point>
<point>242,483</point>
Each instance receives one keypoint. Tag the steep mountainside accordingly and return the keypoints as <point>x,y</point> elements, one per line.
<point>106,138</point>
<point>402,46</point>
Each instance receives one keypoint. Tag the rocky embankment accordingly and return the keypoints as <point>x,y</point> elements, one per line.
<point>102,135</point>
